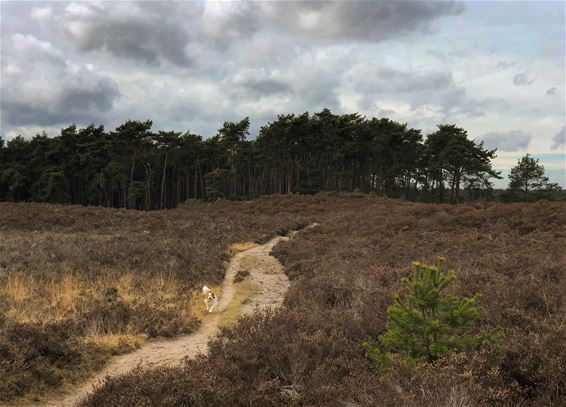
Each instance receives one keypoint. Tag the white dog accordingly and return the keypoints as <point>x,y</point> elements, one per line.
<point>210,298</point>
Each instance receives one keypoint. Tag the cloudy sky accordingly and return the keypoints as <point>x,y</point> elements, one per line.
<point>494,68</point>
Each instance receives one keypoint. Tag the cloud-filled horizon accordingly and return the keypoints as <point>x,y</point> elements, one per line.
<point>494,68</point>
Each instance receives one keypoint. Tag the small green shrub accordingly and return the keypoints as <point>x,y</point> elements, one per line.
<point>431,321</point>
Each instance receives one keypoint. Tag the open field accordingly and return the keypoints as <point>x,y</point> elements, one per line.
<point>344,275</point>
<point>78,285</point>
<point>243,290</point>
<point>81,284</point>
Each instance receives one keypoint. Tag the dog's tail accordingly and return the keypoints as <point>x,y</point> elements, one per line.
<point>205,290</point>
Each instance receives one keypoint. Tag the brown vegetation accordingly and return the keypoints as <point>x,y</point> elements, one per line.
<point>78,285</point>
<point>344,274</point>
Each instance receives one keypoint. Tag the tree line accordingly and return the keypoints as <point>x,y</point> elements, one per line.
<point>137,168</point>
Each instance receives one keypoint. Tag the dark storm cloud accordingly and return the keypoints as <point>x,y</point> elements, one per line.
<point>521,79</point>
<point>359,20</point>
<point>129,39</point>
<point>258,84</point>
<point>158,31</point>
<point>376,79</point>
<point>507,141</point>
<point>41,87</point>
<point>70,104</point>
<point>267,87</point>
<point>100,96</point>
<point>299,87</point>
<point>146,31</point>
<point>232,22</point>
<point>435,89</point>
<point>559,139</point>
<point>230,49</point>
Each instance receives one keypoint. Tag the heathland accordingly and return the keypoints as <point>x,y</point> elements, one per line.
<point>80,284</point>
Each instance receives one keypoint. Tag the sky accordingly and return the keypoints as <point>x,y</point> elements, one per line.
<point>496,69</point>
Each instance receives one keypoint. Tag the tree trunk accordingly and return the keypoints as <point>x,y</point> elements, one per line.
<point>457,188</point>
<point>203,191</point>
<point>452,186</point>
<point>147,187</point>
<point>132,171</point>
<point>162,200</point>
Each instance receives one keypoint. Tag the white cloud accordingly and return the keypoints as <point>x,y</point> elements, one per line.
<point>41,13</point>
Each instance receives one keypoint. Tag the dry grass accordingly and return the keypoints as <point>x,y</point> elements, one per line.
<point>241,247</point>
<point>29,299</point>
<point>116,343</point>
<point>33,298</point>
<point>17,287</point>
<point>249,263</point>
<point>245,290</point>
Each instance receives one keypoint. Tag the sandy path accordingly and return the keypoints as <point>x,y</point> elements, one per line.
<point>265,286</point>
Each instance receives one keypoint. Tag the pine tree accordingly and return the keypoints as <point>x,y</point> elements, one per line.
<point>527,180</point>
<point>216,183</point>
<point>431,320</point>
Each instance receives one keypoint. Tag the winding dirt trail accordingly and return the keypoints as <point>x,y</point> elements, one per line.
<point>264,286</point>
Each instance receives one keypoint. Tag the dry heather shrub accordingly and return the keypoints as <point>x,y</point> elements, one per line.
<point>110,276</point>
<point>516,272</point>
<point>160,387</point>
<point>286,367</point>
<point>310,353</point>
<point>350,267</point>
<point>35,357</point>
